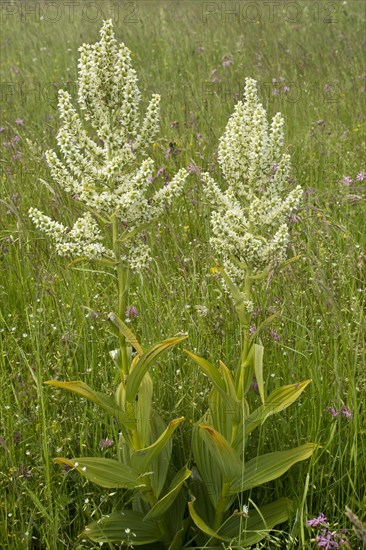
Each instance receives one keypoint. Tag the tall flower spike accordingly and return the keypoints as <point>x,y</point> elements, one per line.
<point>108,173</point>
<point>250,218</point>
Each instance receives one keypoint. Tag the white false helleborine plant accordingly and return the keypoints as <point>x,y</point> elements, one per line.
<point>250,218</point>
<point>250,235</point>
<point>105,174</point>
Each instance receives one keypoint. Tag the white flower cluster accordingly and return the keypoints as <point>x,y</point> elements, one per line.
<point>84,239</point>
<point>250,220</point>
<point>105,174</point>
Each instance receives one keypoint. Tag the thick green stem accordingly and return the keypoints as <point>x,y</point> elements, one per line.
<point>221,507</point>
<point>240,378</point>
<point>122,289</point>
<point>152,500</point>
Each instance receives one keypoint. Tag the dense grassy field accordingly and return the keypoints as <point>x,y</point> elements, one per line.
<point>179,51</point>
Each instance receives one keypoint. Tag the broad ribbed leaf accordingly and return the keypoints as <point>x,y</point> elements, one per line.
<point>277,401</point>
<point>238,297</point>
<point>245,373</point>
<point>104,472</point>
<point>226,458</point>
<point>160,466</point>
<point>102,400</point>
<point>202,525</point>
<point>143,458</point>
<point>141,367</point>
<point>216,378</point>
<point>124,450</point>
<point>250,530</point>
<point>282,397</point>
<point>207,466</point>
<point>143,409</point>
<point>126,332</point>
<point>220,416</point>
<point>212,372</point>
<point>112,528</point>
<point>270,466</point>
<point>167,500</point>
<point>258,369</point>
<point>177,542</point>
<point>229,380</point>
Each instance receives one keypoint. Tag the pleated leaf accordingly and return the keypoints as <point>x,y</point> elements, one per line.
<point>167,500</point>
<point>143,409</point>
<point>160,465</point>
<point>177,542</point>
<point>201,524</point>
<point>102,400</point>
<point>229,380</point>
<point>216,378</point>
<point>207,467</point>
<point>270,466</point>
<point>142,365</point>
<point>212,372</point>
<point>224,419</point>
<point>143,458</point>
<point>249,531</point>
<point>237,295</point>
<point>104,472</point>
<point>258,369</point>
<point>226,458</point>
<point>246,372</point>
<point>126,332</point>
<point>112,528</point>
<point>277,401</point>
<point>220,415</point>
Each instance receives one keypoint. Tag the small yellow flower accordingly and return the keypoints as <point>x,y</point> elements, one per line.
<point>214,270</point>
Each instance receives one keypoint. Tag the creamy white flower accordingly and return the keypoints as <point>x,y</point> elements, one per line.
<point>83,239</point>
<point>109,173</point>
<point>250,217</point>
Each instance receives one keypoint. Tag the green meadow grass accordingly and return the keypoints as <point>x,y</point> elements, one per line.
<point>46,330</point>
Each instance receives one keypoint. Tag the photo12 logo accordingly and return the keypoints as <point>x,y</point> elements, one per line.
<point>54,12</point>
<point>271,11</point>
<point>33,92</point>
<point>276,90</point>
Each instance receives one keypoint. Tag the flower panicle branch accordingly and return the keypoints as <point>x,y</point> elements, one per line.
<point>83,240</point>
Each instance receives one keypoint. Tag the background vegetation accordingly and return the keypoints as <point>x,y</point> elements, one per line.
<point>184,50</point>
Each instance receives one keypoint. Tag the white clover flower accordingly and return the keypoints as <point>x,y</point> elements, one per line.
<point>202,311</point>
<point>245,511</point>
<point>108,173</point>
<point>250,218</point>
